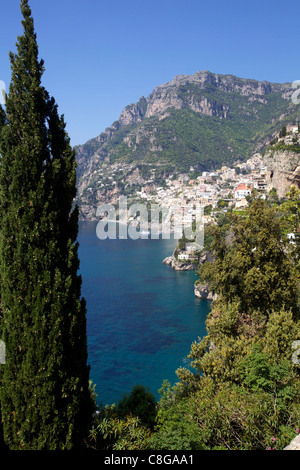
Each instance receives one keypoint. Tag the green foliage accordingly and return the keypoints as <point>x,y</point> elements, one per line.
<point>281,146</point>
<point>223,417</point>
<point>127,425</point>
<point>273,197</point>
<point>110,432</point>
<point>208,209</point>
<point>255,267</point>
<point>289,210</point>
<point>176,429</point>
<point>282,133</point>
<point>221,204</point>
<point>255,370</point>
<point>223,220</point>
<point>208,239</point>
<point>141,403</point>
<point>241,389</point>
<point>234,418</point>
<point>259,371</point>
<point>242,397</point>
<point>281,331</point>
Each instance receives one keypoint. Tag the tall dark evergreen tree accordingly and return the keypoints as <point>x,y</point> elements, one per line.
<point>44,395</point>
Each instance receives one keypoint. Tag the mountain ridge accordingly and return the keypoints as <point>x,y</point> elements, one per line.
<point>203,121</point>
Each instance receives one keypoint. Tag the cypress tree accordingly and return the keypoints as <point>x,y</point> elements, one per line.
<point>44,393</point>
<point>2,124</point>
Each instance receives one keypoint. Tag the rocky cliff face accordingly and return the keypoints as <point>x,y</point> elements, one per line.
<point>282,163</point>
<point>283,171</point>
<point>184,91</point>
<point>171,95</point>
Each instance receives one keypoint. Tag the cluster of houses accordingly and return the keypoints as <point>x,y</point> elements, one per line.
<point>213,191</point>
<point>216,190</point>
<point>229,185</point>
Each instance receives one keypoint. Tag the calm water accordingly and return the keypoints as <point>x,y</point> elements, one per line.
<point>142,316</point>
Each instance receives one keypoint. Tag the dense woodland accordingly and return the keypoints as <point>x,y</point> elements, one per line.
<point>240,390</point>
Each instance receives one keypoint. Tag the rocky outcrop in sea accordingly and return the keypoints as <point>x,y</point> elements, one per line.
<point>179,265</point>
<point>203,291</point>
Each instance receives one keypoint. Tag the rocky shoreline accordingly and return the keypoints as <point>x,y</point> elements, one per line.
<point>204,292</point>
<point>179,265</point>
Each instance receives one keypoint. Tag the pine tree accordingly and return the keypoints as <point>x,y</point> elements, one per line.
<point>44,395</point>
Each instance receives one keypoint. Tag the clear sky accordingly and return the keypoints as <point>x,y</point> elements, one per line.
<point>101,55</point>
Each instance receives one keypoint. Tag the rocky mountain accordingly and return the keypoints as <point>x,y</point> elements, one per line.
<point>190,124</point>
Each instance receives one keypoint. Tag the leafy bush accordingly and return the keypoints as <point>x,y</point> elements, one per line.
<point>141,403</point>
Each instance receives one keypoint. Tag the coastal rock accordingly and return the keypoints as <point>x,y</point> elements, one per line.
<point>88,212</point>
<point>204,292</point>
<point>179,265</point>
<point>168,261</point>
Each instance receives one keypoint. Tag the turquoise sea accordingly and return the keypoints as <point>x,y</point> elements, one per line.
<point>142,316</point>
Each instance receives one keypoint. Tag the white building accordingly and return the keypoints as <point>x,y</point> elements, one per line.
<point>183,256</point>
<point>242,190</point>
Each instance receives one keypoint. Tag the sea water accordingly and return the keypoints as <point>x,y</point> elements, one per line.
<point>142,316</point>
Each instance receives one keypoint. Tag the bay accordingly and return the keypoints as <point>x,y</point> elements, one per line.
<point>142,316</point>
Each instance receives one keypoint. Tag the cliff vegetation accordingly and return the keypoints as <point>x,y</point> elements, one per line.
<point>240,389</point>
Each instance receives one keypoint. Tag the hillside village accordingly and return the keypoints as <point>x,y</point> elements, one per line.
<point>217,190</point>
<point>228,185</point>
<point>183,196</point>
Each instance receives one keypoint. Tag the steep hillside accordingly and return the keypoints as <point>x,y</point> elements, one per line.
<point>201,121</point>
<point>282,162</point>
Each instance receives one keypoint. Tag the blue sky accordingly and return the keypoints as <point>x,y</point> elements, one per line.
<point>102,55</point>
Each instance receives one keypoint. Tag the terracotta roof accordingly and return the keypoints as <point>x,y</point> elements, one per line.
<point>242,186</point>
